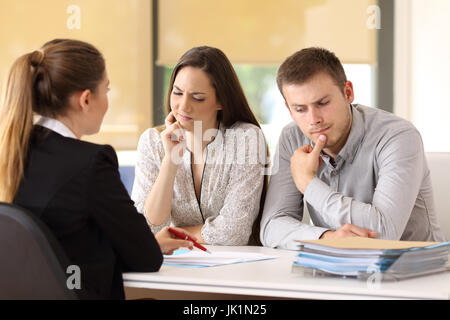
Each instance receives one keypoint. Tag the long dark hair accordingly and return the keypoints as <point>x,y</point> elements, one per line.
<point>228,89</point>
<point>41,82</point>
<point>231,97</point>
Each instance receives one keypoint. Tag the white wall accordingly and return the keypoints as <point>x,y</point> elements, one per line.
<point>422,69</point>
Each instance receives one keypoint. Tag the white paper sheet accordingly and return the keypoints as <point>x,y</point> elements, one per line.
<point>197,258</point>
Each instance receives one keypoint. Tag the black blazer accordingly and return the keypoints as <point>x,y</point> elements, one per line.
<point>75,188</point>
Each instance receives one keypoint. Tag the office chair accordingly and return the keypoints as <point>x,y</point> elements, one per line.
<point>33,263</point>
<point>127,177</point>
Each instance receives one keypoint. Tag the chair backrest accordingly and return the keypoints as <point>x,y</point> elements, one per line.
<point>439,163</point>
<point>127,177</point>
<point>32,261</point>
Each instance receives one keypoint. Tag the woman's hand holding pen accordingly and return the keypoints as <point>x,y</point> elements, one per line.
<point>168,242</point>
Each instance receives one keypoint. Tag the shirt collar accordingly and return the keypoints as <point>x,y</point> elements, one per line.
<point>56,126</point>
<point>348,152</point>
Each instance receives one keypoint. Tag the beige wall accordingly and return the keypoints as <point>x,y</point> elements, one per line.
<point>250,31</point>
<point>120,29</point>
<point>422,69</point>
<point>266,32</point>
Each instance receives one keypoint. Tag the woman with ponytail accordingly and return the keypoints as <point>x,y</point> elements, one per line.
<point>71,185</point>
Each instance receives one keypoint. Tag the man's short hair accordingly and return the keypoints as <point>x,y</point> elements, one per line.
<point>306,63</point>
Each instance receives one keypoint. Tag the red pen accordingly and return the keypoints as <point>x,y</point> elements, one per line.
<point>186,237</point>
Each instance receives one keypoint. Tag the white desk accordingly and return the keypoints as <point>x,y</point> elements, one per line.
<point>274,278</point>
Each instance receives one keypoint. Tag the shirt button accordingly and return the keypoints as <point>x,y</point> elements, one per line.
<point>333,173</point>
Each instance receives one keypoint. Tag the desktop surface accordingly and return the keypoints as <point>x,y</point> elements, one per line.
<point>275,279</point>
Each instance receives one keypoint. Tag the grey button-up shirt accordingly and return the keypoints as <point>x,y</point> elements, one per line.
<point>380,181</point>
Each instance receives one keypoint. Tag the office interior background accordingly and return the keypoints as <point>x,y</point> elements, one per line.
<point>394,52</point>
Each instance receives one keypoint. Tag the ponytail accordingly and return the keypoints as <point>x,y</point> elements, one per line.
<point>16,123</point>
<point>41,82</point>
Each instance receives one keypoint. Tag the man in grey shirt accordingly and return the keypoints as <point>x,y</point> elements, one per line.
<point>360,170</point>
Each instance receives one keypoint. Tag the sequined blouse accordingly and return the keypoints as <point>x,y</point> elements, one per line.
<point>231,185</point>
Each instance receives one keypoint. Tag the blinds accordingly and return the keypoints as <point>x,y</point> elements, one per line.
<point>120,29</point>
<point>266,32</point>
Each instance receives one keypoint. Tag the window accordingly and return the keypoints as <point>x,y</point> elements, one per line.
<point>119,29</point>
<point>261,90</point>
<point>257,36</point>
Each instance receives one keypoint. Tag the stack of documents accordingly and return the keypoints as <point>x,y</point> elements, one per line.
<point>198,259</point>
<point>362,257</point>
